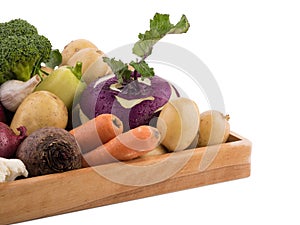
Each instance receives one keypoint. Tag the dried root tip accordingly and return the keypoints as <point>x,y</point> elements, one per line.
<point>227,117</point>
<point>22,131</point>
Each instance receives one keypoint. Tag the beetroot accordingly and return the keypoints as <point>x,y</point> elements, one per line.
<point>49,150</point>
<point>9,141</point>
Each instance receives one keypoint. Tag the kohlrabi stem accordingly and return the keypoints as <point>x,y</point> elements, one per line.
<point>135,75</point>
<point>135,79</point>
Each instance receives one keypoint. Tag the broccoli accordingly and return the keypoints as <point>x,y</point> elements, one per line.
<point>17,27</point>
<point>22,50</point>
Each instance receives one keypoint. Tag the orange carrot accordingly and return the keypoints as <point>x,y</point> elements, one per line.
<point>126,146</point>
<point>97,131</point>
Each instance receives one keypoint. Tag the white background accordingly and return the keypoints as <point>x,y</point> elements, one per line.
<point>253,50</point>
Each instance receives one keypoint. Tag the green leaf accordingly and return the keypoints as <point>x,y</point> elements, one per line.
<point>160,26</point>
<point>55,59</point>
<point>119,68</point>
<point>143,68</point>
<point>143,48</point>
<point>181,27</point>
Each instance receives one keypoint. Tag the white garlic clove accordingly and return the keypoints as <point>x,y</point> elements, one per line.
<point>13,92</point>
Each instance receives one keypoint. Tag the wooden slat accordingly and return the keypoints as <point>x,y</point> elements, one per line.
<point>54,194</point>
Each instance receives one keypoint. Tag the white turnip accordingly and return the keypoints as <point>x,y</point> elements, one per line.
<point>214,128</point>
<point>178,123</point>
<point>93,66</point>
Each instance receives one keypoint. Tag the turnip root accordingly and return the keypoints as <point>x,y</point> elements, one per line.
<point>178,123</point>
<point>49,150</point>
<point>9,141</point>
<point>73,47</point>
<point>214,128</point>
<point>93,66</point>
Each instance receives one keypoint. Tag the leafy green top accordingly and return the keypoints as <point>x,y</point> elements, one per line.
<point>160,26</point>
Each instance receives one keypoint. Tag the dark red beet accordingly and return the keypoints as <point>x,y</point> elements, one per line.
<point>9,141</point>
<point>49,150</point>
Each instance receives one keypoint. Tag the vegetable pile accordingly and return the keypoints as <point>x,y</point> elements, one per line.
<point>77,108</point>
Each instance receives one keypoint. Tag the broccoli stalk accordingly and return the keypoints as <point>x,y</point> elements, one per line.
<point>22,50</point>
<point>24,70</point>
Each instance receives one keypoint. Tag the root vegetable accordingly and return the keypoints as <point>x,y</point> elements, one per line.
<point>126,146</point>
<point>136,103</point>
<point>49,150</point>
<point>97,131</point>
<point>214,128</point>
<point>40,109</point>
<point>73,47</point>
<point>178,124</point>
<point>9,141</point>
<point>93,66</point>
<point>97,69</point>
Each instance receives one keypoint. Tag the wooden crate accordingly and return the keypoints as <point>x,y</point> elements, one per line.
<point>49,195</point>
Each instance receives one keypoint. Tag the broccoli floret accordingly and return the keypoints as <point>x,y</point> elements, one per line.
<point>17,27</point>
<point>22,50</point>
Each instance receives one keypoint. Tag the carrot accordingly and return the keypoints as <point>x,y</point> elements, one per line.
<point>97,131</point>
<point>126,146</point>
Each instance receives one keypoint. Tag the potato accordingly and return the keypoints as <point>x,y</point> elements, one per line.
<point>214,128</point>
<point>93,66</point>
<point>40,109</point>
<point>73,47</point>
<point>178,123</point>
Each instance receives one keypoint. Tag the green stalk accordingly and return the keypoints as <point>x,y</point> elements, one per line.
<point>77,70</point>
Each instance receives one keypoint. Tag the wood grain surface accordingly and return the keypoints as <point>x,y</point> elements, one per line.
<point>48,195</point>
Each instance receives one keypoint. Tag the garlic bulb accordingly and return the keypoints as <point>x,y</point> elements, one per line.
<point>13,92</point>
